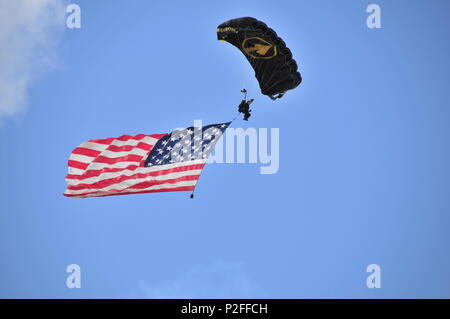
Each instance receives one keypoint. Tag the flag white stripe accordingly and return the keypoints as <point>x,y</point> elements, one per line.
<point>106,176</point>
<point>134,151</point>
<point>133,142</point>
<point>128,183</point>
<point>144,170</point>
<point>94,146</point>
<point>109,154</point>
<point>75,171</point>
<point>155,187</point>
<point>97,166</point>
<point>81,158</point>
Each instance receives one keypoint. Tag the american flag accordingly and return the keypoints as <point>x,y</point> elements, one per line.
<point>141,163</point>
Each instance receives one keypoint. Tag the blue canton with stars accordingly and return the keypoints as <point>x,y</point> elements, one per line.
<point>192,143</point>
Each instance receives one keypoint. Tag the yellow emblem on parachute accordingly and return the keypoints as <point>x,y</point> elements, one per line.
<point>259,48</point>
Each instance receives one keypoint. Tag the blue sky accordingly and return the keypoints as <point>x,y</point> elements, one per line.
<point>363,178</point>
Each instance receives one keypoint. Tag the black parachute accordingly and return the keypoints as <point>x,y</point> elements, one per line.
<point>272,61</point>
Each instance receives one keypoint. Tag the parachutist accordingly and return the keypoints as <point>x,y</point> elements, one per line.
<point>244,108</point>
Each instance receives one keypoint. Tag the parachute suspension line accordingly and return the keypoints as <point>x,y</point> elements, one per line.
<point>235,118</point>
<point>244,91</point>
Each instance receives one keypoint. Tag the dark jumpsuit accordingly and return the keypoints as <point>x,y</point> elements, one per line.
<point>244,108</point>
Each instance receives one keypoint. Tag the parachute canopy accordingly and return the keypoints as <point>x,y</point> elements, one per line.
<point>275,69</point>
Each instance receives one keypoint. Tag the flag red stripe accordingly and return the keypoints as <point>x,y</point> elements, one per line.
<point>127,158</point>
<point>125,138</point>
<point>86,152</point>
<point>144,184</point>
<point>147,184</point>
<point>94,173</point>
<point>127,148</point>
<point>122,138</point>
<point>181,188</point>
<point>77,164</point>
<point>97,172</point>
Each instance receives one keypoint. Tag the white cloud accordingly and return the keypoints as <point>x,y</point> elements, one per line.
<point>29,31</point>
<point>217,280</point>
